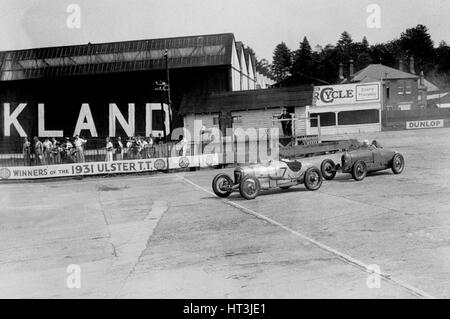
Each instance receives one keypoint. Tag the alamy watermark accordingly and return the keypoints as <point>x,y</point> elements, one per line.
<point>73,20</point>
<point>374,278</point>
<point>73,280</point>
<point>374,19</point>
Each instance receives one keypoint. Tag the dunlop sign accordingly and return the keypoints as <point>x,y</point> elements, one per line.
<point>411,125</point>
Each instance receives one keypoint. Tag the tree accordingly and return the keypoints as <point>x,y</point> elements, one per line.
<point>345,40</point>
<point>282,62</point>
<point>323,62</point>
<point>302,60</point>
<point>416,42</point>
<point>264,68</point>
<point>386,53</point>
<point>443,57</point>
<point>364,42</point>
<point>345,48</point>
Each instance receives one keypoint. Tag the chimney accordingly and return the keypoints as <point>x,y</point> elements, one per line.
<point>401,67</point>
<point>341,71</point>
<point>351,68</point>
<point>411,66</point>
<point>421,78</point>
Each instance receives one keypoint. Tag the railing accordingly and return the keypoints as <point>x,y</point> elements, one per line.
<point>237,151</point>
<point>91,152</point>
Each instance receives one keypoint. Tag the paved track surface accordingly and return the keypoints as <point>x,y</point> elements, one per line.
<point>168,236</point>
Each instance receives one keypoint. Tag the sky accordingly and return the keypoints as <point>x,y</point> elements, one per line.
<point>260,24</point>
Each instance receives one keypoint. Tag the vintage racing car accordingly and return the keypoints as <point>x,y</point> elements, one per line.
<point>250,180</point>
<point>367,158</point>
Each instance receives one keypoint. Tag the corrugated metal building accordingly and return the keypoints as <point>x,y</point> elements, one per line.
<point>63,78</point>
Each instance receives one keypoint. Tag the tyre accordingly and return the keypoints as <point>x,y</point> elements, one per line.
<point>313,179</point>
<point>221,185</point>
<point>328,169</point>
<point>359,170</point>
<point>249,187</point>
<point>398,163</point>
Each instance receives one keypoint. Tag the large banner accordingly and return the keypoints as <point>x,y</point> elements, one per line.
<point>82,169</point>
<point>346,94</point>
<point>104,168</point>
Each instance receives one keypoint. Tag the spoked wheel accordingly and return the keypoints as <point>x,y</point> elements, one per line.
<point>222,185</point>
<point>328,169</point>
<point>313,179</point>
<point>359,170</point>
<point>249,187</point>
<point>398,164</point>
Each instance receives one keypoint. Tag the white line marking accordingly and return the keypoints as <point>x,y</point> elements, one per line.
<point>344,257</point>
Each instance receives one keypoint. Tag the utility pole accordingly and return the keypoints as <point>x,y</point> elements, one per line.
<point>162,87</point>
<point>166,55</point>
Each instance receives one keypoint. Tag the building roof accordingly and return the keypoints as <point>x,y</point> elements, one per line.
<point>376,72</point>
<point>298,79</point>
<point>137,55</point>
<point>250,58</point>
<point>247,100</point>
<point>430,86</point>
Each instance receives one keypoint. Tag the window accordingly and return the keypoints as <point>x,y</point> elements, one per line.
<point>358,117</point>
<point>401,88</point>
<point>408,89</point>
<point>326,119</point>
<point>404,107</point>
<point>215,120</point>
<point>237,119</point>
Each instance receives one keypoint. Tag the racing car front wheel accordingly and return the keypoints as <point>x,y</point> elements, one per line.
<point>398,164</point>
<point>313,179</point>
<point>328,169</point>
<point>359,170</point>
<point>249,187</point>
<point>222,184</point>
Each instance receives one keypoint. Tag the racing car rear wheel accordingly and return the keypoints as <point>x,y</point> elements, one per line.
<point>398,163</point>
<point>313,179</point>
<point>359,170</point>
<point>249,187</point>
<point>222,184</point>
<point>328,169</point>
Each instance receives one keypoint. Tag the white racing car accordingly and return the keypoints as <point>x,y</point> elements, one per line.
<point>250,180</point>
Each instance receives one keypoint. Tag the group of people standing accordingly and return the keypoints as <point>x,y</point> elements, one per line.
<point>135,148</point>
<point>53,151</point>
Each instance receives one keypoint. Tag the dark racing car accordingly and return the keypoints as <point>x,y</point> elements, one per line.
<point>367,158</point>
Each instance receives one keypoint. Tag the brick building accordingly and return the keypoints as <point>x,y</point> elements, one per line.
<point>401,90</point>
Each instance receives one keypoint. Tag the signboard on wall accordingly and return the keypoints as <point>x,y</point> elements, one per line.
<point>346,94</point>
<point>104,168</point>
<point>412,125</point>
<point>82,169</point>
<point>95,119</point>
<point>204,160</point>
